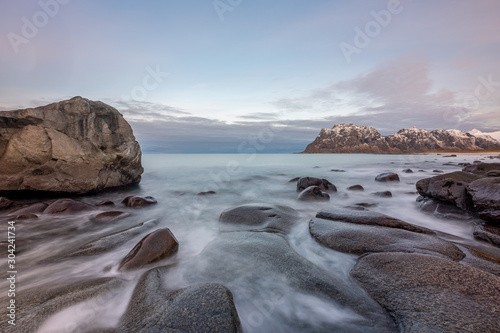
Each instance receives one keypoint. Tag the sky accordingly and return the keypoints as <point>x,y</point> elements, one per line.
<point>226,76</point>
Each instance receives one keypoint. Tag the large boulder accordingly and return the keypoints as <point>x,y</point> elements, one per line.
<point>481,168</point>
<point>485,193</point>
<point>429,294</point>
<point>73,146</point>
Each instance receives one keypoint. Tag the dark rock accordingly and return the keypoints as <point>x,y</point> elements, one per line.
<point>67,206</point>
<point>387,177</point>
<point>443,209</point>
<point>408,171</point>
<point>5,203</point>
<point>370,218</point>
<point>493,173</point>
<point>323,184</point>
<point>488,233</point>
<point>313,193</point>
<point>492,216</point>
<point>262,217</point>
<point>26,217</point>
<point>450,187</point>
<point>355,188</point>
<point>485,193</point>
<point>253,258</point>
<point>438,171</point>
<point>73,146</point>
<point>105,203</point>
<point>155,246</point>
<point>207,193</point>
<point>429,294</point>
<point>36,208</point>
<point>108,217</point>
<point>481,168</point>
<point>337,170</point>
<point>477,162</point>
<point>201,308</point>
<point>137,201</point>
<point>450,155</point>
<point>367,204</point>
<point>385,194</point>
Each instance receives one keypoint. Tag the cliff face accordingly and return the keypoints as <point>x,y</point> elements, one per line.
<point>73,146</point>
<point>350,138</point>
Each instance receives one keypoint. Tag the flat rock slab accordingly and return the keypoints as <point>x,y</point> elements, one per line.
<point>201,308</point>
<point>428,294</point>
<point>488,233</point>
<point>370,218</point>
<point>485,193</point>
<point>360,239</point>
<point>264,217</point>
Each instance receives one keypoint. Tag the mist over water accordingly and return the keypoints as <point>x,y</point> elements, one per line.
<point>264,303</point>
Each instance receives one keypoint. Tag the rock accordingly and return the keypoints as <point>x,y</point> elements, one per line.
<point>492,216</point>
<point>493,173</point>
<point>408,171</point>
<point>485,193</point>
<point>73,146</point>
<point>385,194</point>
<point>387,177</point>
<point>481,168</point>
<point>450,155</point>
<point>5,203</point>
<point>370,218</point>
<point>26,217</point>
<point>438,171</point>
<point>243,261</point>
<point>355,188</point>
<point>443,209</point>
<point>36,208</point>
<point>67,206</point>
<point>488,233</point>
<point>429,294</point>
<point>263,217</point>
<point>137,201</point>
<point>449,187</point>
<point>361,239</point>
<point>201,308</point>
<point>108,217</point>
<point>337,170</point>
<point>313,193</point>
<point>207,193</point>
<point>155,246</point>
<point>105,203</point>
<point>323,184</point>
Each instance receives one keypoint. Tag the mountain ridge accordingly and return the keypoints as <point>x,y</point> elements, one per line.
<point>351,138</point>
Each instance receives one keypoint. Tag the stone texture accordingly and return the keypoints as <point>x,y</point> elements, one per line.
<point>429,294</point>
<point>488,233</point>
<point>323,184</point>
<point>73,146</point>
<point>313,193</point>
<point>481,168</point>
<point>138,201</point>
<point>153,247</point>
<point>387,177</point>
<point>485,193</point>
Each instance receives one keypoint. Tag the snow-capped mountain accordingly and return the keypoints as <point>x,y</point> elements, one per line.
<point>350,138</point>
<point>487,136</point>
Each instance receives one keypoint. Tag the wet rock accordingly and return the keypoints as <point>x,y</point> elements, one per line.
<point>137,201</point>
<point>387,177</point>
<point>370,218</point>
<point>36,208</point>
<point>201,308</point>
<point>108,217</point>
<point>367,204</point>
<point>157,245</point>
<point>264,217</point>
<point>5,203</point>
<point>450,187</point>
<point>408,171</point>
<point>250,258</point>
<point>41,303</point>
<point>438,171</point>
<point>355,188</point>
<point>361,239</point>
<point>323,184</point>
<point>105,203</point>
<point>337,170</point>
<point>384,194</point>
<point>429,294</point>
<point>67,206</point>
<point>73,146</point>
<point>488,233</point>
<point>493,173</point>
<point>485,193</point>
<point>442,209</point>
<point>492,216</point>
<point>111,241</point>
<point>313,193</point>
<point>207,193</point>
<point>450,155</point>
<point>26,217</point>
<point>481,168</point>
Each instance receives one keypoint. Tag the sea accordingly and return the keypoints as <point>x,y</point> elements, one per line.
<point>175,181</point>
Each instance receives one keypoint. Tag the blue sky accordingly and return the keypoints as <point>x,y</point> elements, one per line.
<point>215,76</point>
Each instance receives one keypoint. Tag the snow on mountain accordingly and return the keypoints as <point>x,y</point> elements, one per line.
<point>487,136</point>
<point>351,138</point>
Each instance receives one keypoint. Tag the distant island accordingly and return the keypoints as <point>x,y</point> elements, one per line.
<point>351,138</point>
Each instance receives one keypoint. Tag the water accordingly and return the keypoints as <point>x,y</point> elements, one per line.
<point>265,304</point>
